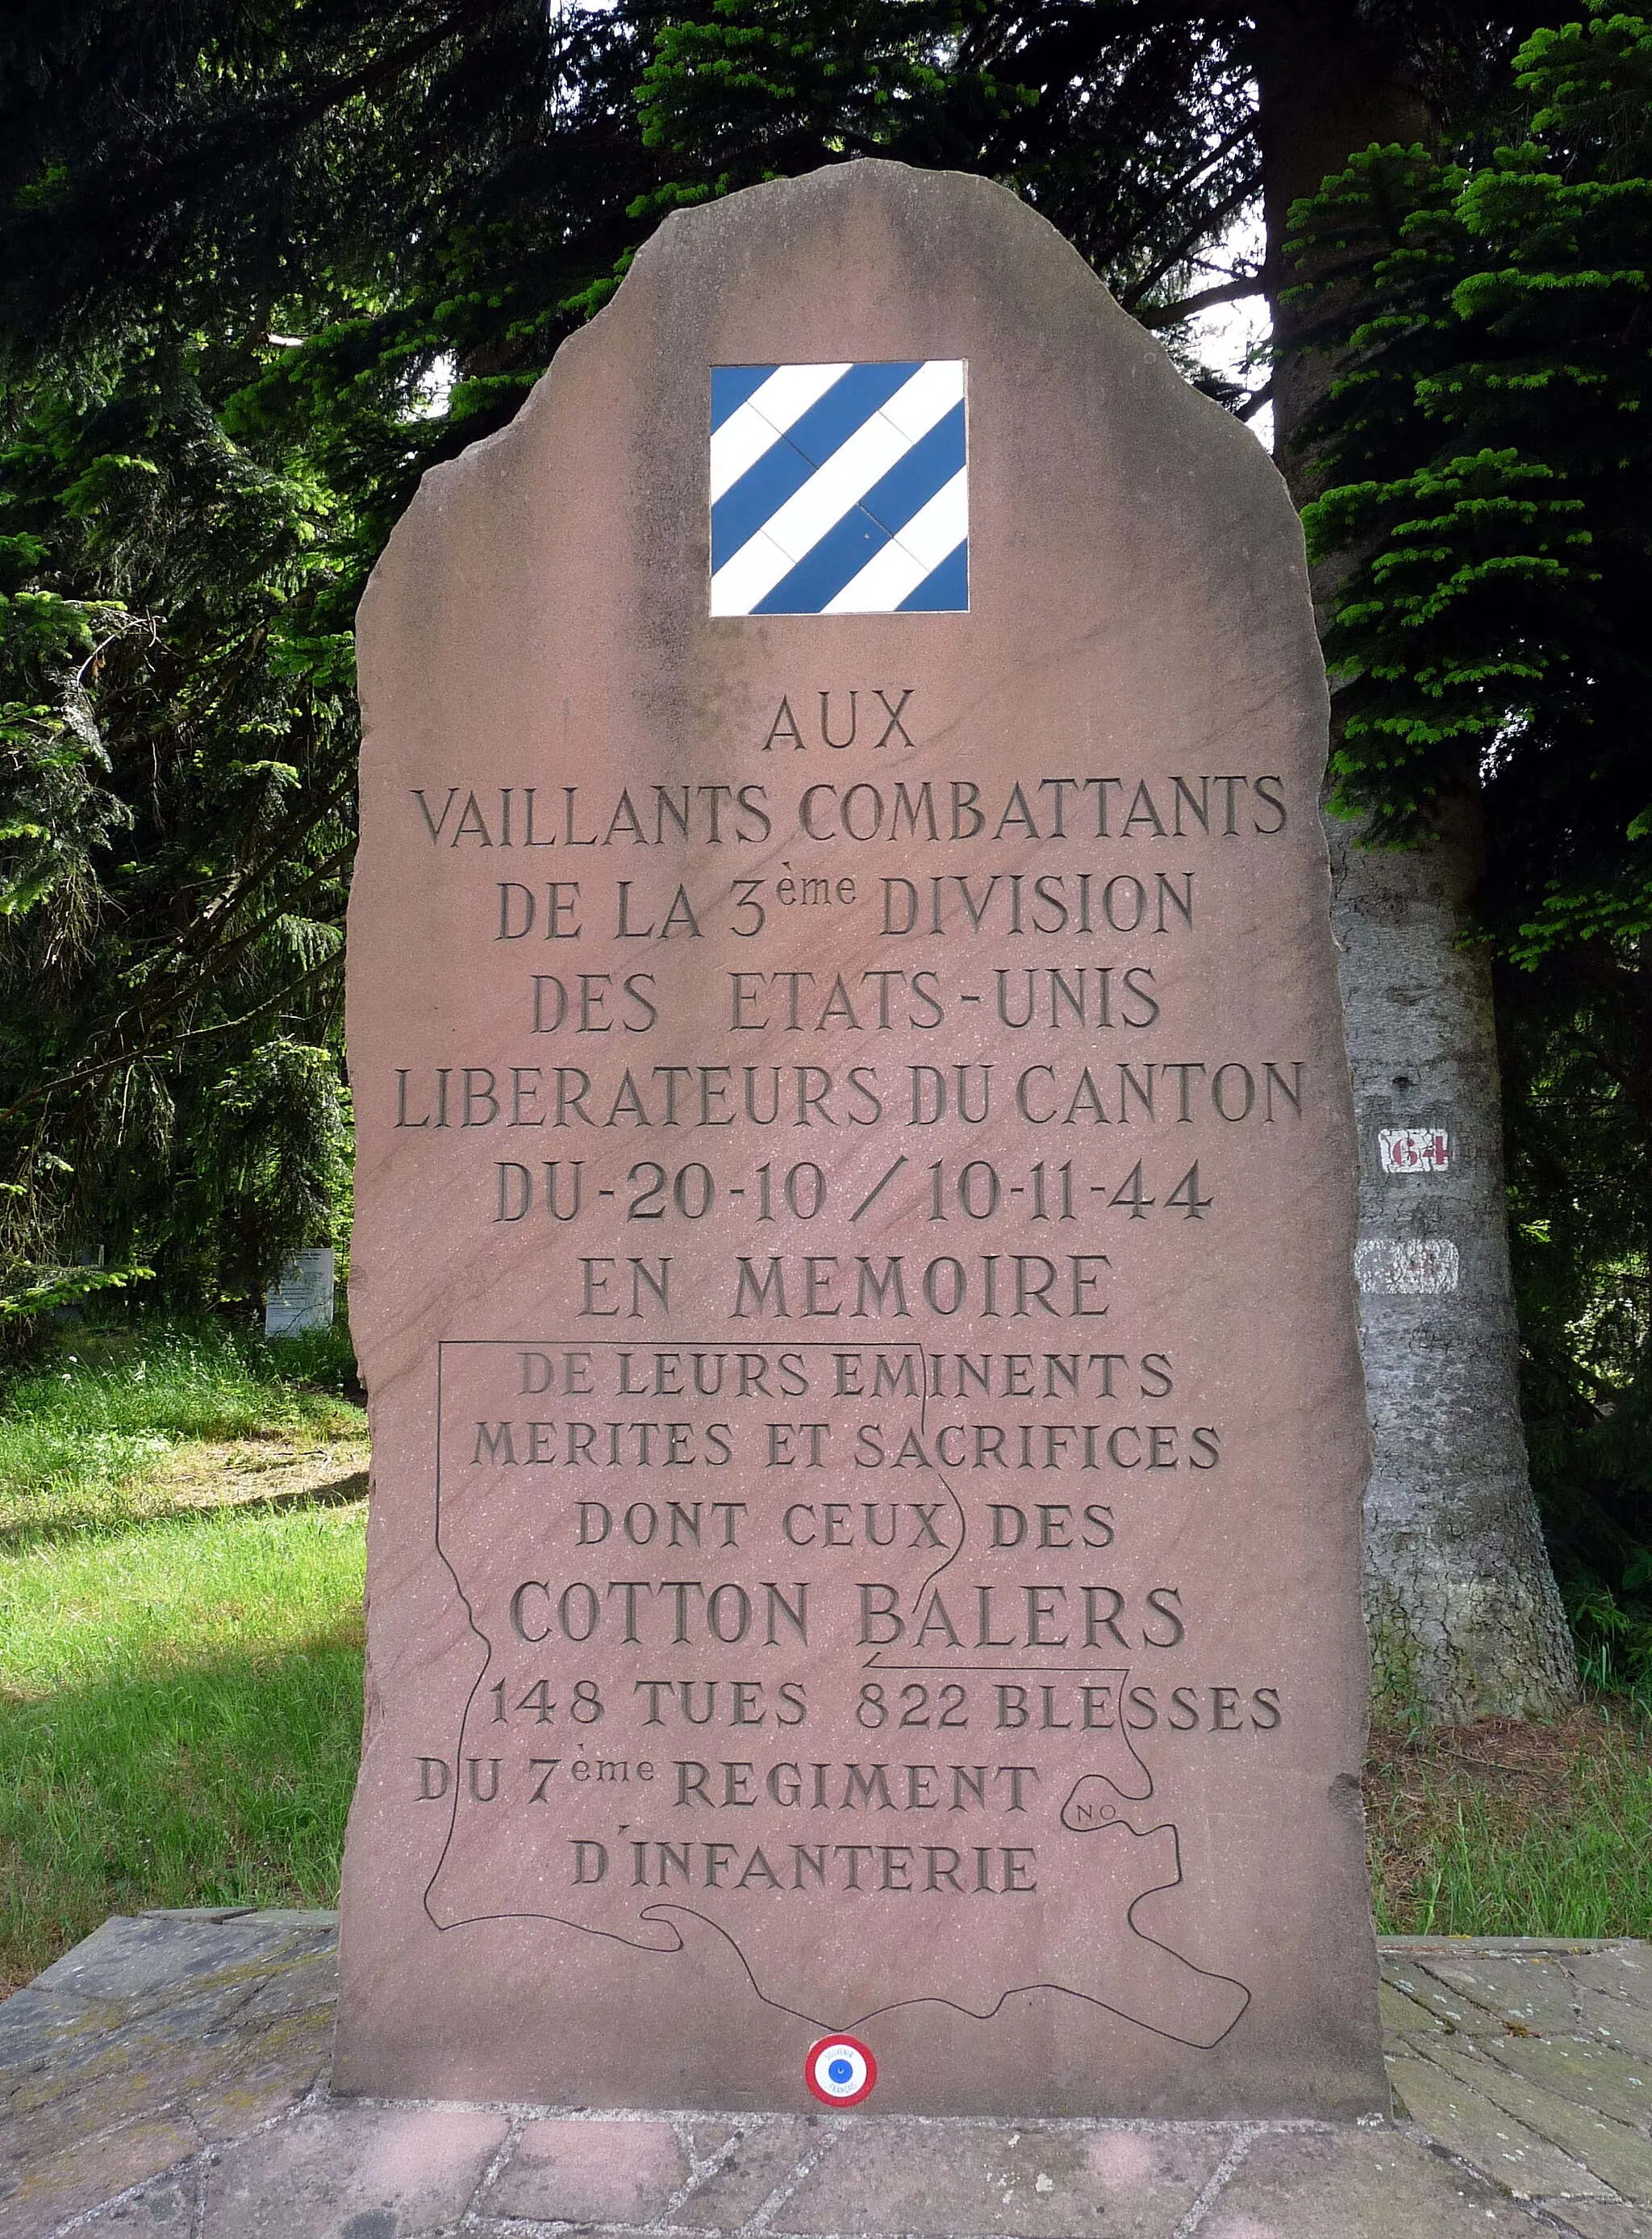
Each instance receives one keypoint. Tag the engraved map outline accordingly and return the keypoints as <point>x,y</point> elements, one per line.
<point>657,1913</point>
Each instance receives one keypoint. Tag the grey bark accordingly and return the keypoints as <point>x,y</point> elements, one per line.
<point>1460,1605</point>
<point>1464,1618</point>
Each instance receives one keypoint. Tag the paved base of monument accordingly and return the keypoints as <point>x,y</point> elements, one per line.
<point>170,2074</point>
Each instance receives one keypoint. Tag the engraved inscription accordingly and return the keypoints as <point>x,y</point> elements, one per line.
<point>874,1524</point>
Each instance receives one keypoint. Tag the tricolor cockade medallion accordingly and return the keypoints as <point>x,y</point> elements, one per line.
<point>839,489</point>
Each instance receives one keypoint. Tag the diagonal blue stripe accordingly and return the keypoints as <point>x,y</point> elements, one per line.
<point>913,481</point>
<point>822,572</point>
<point>883,513</point>
<point>850,402</point>
<point>945,589</point>
<point>731,385</point>
<point>792,458</point>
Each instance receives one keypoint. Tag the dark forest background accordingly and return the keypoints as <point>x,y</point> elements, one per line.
<point>263,261</point>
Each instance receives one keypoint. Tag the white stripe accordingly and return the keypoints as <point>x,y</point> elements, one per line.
<point>766,561</point>
<point>759,423</point>
<point>752,572</point>
<point>895,573</point>
<point>945,378</point>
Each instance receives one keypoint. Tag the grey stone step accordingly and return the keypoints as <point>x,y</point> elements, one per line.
<point>170,2075</point>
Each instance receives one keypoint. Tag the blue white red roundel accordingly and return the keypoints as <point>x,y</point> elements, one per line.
<point>840,2070</point>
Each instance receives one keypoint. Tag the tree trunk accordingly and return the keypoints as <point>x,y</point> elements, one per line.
<point>1464,1618</point>
<point>1328,86</point>
<point>1461,1604</point>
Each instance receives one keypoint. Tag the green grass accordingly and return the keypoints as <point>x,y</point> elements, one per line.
<point>1588,1879</point>
<point>1504,1830</point>
<point>79,1434</point>
<point>180,1714</point>
<point>180,1693</point>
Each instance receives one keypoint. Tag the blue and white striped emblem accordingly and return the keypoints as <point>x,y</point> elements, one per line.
<point>839,489</point>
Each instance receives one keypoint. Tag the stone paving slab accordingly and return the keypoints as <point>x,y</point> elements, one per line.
<point>170,2075</point>
<point>1483,2133</point>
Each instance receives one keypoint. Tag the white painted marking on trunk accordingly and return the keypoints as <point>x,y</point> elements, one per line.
<point>1418,1267</point>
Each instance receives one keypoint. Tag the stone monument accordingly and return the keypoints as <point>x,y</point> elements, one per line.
<point>855,1214</point>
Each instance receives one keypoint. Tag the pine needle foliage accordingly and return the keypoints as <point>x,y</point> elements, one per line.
<point>261,261</point>
<point>177,742</point>
<point>1129,128</point>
